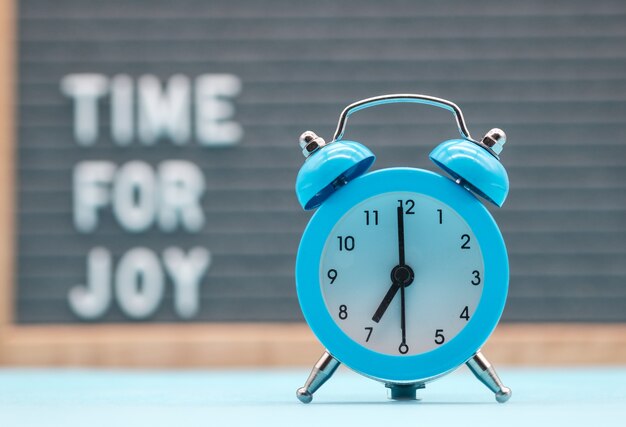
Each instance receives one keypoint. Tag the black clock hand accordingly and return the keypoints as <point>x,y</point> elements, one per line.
<point>401,266</point>
<point>391,293</point>
<point>403,347</point>
<point>401,236</point>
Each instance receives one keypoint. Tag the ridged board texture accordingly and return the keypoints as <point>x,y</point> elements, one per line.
<point>551,74</point>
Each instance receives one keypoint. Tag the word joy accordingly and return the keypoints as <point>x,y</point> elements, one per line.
<point>138,282</point>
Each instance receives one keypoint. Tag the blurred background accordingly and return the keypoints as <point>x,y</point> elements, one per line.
<point>160,138</point>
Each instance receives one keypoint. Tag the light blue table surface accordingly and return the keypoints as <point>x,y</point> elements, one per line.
<point>545,396</point>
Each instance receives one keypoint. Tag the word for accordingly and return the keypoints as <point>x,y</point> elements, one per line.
<point>137,283</point>
<point>139,195</point>
<point>146,110</point>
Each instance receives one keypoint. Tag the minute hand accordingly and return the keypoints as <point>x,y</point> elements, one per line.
<point>403,347</point>
<point>400,236</point>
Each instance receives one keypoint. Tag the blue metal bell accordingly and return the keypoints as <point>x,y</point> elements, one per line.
<point>477,169</point>
<point>328,167</point>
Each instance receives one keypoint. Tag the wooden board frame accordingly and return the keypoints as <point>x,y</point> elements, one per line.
<point>234,344</point>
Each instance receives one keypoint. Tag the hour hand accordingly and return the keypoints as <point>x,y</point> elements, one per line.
<point>391,293</point>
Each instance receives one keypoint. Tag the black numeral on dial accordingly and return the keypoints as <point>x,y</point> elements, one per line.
<point>332,275</point>
<point>346,243</point>
<point>369,330</point>
<point>465,239</point>
<point>408,205</point>
<point>371,217</point>
<point>439,338</point>
<point>440,211</point>
<point>465,314</point>
<point>476,280</point>
<point>343,312</point>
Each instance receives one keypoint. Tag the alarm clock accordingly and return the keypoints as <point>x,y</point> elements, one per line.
<point>402,273</point>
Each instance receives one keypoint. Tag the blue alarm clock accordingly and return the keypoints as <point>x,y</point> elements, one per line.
<point>402,274</point>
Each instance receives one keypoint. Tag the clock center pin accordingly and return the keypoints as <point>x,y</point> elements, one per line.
<point>402,275</point>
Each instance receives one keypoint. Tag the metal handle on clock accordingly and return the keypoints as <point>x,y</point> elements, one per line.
<point>402,98</point>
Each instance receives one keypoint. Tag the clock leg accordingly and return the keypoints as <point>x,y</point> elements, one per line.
<point>486,374</point>
<point>321,372</point>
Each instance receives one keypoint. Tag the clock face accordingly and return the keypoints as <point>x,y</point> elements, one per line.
<point>401,273</point>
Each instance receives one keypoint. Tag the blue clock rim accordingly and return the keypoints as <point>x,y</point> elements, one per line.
<point>420,367</point>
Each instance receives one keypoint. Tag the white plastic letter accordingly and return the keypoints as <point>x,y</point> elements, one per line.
<point>164,113</point>
<point>139,283</point>
<point>213,109</point>
<point>182,186</point>
<point>92,300</point>
<point>122,111</point>
<point>91,180</point>
<point>186,272</point>
<point>85,89</point>
<point>134,196</point>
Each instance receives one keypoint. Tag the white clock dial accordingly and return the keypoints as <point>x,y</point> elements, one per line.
<point>441,275</point>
